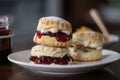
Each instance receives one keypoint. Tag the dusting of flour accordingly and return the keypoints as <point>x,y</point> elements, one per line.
<point>54,18</point>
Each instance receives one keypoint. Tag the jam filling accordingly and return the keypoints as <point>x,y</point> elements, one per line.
<point>4,31</point>
<point>60,36</point>
<point>50,60</point>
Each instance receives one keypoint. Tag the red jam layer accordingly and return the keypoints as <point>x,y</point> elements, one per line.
<point>50,60</point>
<point>4,31</point>
<point>60,36</point>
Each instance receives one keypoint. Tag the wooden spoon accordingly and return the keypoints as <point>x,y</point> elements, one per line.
<point>96,17</point>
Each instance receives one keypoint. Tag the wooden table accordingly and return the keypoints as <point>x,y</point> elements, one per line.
<point>14,72</point>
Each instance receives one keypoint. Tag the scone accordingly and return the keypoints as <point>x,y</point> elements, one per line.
<point>41,54</point>
<point>53,31</point>
<point>87,46</point>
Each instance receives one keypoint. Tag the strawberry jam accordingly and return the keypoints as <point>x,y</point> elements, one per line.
<point>60,36</point>
<point>4,31</point>
<point>50,60</point>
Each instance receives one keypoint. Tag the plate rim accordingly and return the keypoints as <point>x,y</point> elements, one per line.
<point>115,39</point>
<point>63,66</point>
<point>7,36</point>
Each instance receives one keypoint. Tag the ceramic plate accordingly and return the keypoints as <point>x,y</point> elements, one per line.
<point>7,36</point>
<point>22,59</point>
<point>113,38</point>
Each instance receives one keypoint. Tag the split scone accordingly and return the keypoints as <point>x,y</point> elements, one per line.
<point>53,31</point>
<point>41,54</point>
<point>87,46</point>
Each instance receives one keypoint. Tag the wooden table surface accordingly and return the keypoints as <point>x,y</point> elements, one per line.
<point>14,72</point>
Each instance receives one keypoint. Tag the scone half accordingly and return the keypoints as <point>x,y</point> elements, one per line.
<point>86,54</point>
<point>53,31</point>
<point>87,46</point>
<point>41,54</point>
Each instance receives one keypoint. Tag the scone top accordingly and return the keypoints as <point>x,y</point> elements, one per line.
<point>54,24</point>
<point>88,39</point>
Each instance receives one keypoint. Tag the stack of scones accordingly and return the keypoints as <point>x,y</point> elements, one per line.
<point>53,37</point>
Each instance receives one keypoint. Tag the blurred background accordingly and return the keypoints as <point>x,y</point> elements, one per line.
<point>24,15</point>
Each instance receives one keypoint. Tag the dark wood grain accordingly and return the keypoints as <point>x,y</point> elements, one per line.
<point>14,72</point>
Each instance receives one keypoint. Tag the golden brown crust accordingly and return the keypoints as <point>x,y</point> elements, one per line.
<point>88,38</point>
<point>83,28</point>
<point>51,41</point>
<point>87,45</point>
<point>46,23</point>
<point>93,35</point>
<point>85,31</point>
<point>41,50</point>
<point>88,60</point>
<point>79,55</point>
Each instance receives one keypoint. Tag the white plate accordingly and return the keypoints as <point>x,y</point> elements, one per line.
<point>22,59</point>
<point>7,36</point>
<point>113,38</point>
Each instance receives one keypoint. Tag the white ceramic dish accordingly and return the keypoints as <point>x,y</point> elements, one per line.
<point>113,38</point>
<point>7,36</point>
<point>22,59</point>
